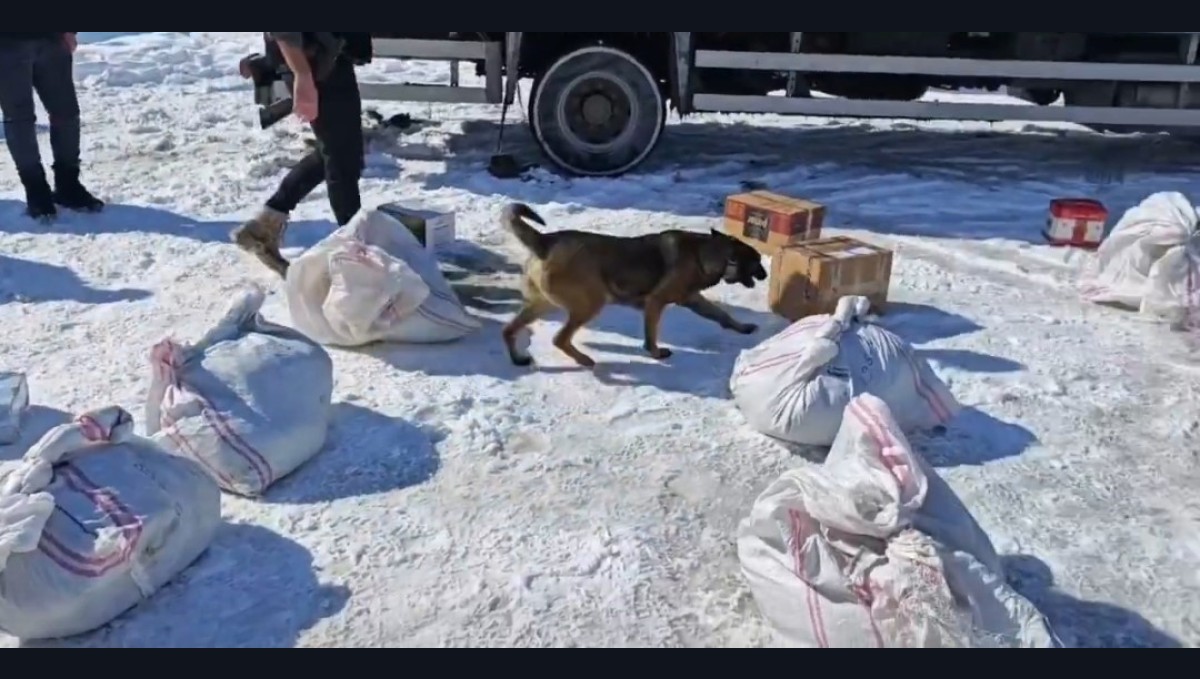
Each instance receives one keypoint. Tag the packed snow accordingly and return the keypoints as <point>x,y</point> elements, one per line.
<point>464,502</point>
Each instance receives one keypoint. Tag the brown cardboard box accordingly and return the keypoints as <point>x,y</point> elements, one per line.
<point>770,222</point>
<point>810,279</point>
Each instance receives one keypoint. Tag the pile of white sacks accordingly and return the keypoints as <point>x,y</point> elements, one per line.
<point>872,549</point>
<point>238,410</point>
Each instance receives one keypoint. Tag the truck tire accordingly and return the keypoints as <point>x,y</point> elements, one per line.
<point>597,112</point>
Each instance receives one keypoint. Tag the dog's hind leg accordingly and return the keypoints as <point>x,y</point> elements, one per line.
<point>704,308</point>
<point>533,311</point>
<point>583,306</point>
<point>565,339</point>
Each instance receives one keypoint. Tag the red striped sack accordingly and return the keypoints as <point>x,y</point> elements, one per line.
<point>795,387</point>
<point>372,281</point>
<point>251,401</point>
<point>94,520</point>
<point>874,550</point>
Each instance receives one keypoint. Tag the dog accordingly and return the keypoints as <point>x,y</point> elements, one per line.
<point>582,273</point>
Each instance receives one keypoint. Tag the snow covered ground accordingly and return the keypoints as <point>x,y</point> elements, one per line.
<point>466,502</point>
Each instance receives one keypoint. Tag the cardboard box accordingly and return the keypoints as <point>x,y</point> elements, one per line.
<point>434,229</point>
<point>810,279</point>
<point>770,222</point>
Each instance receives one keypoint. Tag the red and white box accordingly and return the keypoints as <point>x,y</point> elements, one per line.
<point>1077,223</point>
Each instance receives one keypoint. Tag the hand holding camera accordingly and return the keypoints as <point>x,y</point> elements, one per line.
<point>305,100</point>
<point>246,66</point>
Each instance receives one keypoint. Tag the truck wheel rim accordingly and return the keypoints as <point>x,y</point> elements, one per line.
<point>596,112</point>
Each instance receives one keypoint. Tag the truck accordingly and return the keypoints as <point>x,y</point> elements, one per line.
<point>600,101</point>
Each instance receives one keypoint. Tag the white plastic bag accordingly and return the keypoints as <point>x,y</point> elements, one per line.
<point>795,386</point>
<point>372,281</point>
<point>874,550</point>
<point>1173,291</point>
<point>93,521</point>
<point>1149,262</point>
<point>251,401</point>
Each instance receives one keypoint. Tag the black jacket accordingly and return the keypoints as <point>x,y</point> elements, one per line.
<point>358,45</point>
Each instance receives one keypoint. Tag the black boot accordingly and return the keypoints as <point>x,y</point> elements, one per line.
<point>69,193</point>
<point>39,199</point>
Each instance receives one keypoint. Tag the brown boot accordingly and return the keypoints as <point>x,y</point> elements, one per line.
<point>262,237</point>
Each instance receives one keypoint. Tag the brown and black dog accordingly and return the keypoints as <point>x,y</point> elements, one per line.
<point>584,272</point>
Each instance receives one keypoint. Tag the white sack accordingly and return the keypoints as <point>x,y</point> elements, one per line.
<point>251,401</point>
<point>1151,261</point>
<point>1173,292</point>
<point>372,281</point>
<point>14,404</point>
<point>795,386</point>
<point>874,550</point>
<point>94,520</point>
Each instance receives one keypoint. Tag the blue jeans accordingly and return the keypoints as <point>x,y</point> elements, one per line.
<point>47,68</point>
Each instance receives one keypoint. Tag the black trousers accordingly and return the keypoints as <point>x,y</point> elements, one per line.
<point>338,158</point>
<point>43,66</point>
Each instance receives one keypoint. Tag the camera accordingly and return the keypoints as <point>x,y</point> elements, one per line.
<point>274,82</point>
<point>272,88</point>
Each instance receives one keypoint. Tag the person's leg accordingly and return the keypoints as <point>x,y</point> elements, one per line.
<point>338,161</point>
<point>54,80</point>
<point>262,236</point>
<point>300,181</point>
<point>20,125</point>
<point>16,100</point>
<point>339,132</point>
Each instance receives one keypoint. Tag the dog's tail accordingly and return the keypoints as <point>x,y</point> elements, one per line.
<point>515,219</point>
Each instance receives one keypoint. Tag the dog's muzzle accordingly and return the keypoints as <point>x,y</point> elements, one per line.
<point>735,275</point>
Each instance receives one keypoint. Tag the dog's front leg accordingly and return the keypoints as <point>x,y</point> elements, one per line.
<point>702,307</point>
<point>654,312</point>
